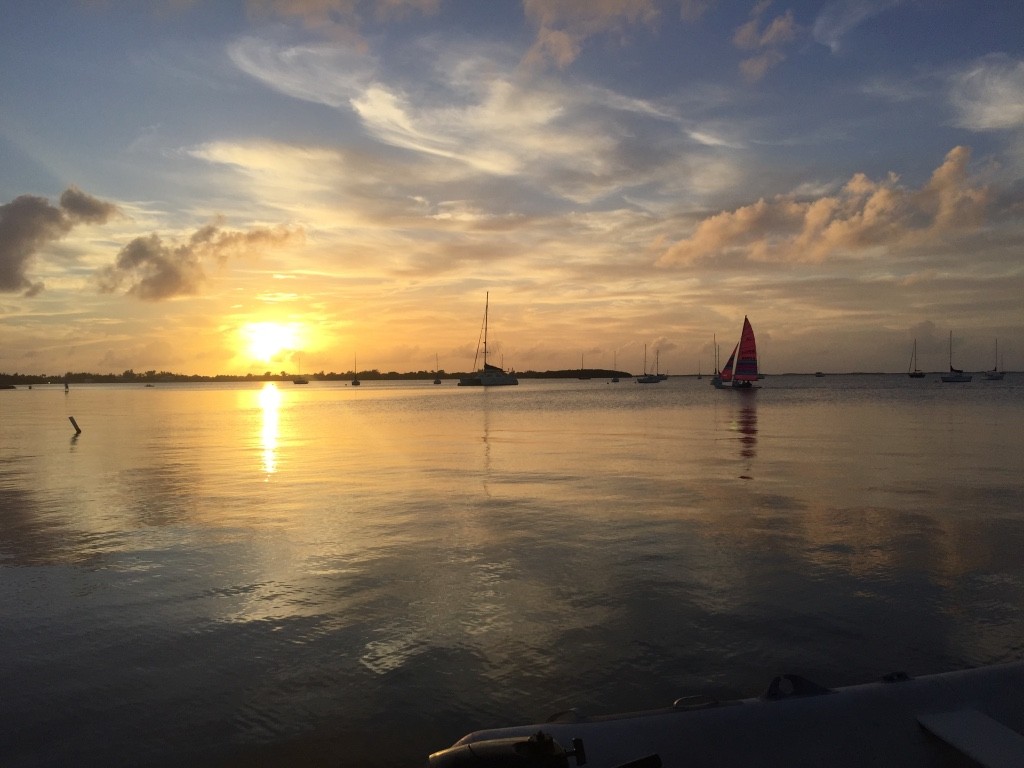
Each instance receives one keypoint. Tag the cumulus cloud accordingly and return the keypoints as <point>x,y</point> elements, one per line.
<point>766,38</point>
<point>28,223</point>
<point>863,215</point>
<point>154,270</point>
<point>989,94</point>
<point>564,25</point>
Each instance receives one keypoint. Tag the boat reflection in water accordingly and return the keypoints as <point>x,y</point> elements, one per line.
<point>746,423</point>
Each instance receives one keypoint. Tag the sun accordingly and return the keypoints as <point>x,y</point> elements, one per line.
<point>268,341</point>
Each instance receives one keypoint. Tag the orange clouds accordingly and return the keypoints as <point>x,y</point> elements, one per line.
<point>563,25</point>
<point>864,214</point>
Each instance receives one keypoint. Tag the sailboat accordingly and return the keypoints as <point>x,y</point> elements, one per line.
<point>647,378</point>
<point>995,374</point>
<point>955,375</point>
<point>740,371</point>
<point>913,371</point>
<point>437,374</point>
<point>355,376</point>
<point>615,366</point>
<point>489,375</point>
<point>582,376</point>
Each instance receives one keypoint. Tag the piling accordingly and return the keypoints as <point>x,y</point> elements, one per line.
<point>78,429</point>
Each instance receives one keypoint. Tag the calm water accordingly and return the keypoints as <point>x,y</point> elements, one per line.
<point>224,575</point>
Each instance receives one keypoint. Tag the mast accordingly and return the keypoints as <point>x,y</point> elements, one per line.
<point>487,304</point>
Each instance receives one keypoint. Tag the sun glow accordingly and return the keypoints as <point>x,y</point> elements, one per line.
<point>268,342</point>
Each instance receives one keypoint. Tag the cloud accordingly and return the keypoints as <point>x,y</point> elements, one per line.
<point>329,74</point>
<point>28,223</point>
<point>564,25</point>
<point>840,18</point>
<point>341,19</point>
<point>768,38</point>
<point>155,270</point>
<point>863,215</point>
<point>989,95</point>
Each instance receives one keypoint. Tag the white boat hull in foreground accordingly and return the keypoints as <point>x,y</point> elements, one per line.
<point>966,718</point>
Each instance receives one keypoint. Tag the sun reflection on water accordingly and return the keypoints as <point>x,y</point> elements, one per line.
<point>270,403</point>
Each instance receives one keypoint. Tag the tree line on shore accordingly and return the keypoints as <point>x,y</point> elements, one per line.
<point>152,377</point>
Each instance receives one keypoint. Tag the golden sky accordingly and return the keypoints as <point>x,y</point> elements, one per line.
<point>229,188</point>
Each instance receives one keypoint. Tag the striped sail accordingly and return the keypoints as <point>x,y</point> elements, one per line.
<point>746,361</point>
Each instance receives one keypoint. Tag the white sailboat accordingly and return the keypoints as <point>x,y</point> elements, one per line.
<point>913,371</point>
<point>647,378</point>
<point>489,375</point>
<point>995,374</point>
<point>955,375</point>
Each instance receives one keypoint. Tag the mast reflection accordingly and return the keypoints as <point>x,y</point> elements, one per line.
<point>270,404</point>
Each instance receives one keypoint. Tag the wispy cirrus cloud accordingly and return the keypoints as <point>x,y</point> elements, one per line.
<point>341,19</point>
<point>988,95</point>
<point>838,19</point>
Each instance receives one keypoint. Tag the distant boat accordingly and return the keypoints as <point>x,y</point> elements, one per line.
<point>615,367</point>
<point>489,375</point>
<point>740,371</point>
<point>819,374</point>
<point>355,375</point>
<point>296,380</point>
<point>913,371</point>
<point>955,375</point>
<point>437,376</point>
<point>647,378</point>
<point>995,374</point>
<point>582,376</point>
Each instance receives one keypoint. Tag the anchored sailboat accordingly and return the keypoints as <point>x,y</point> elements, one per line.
<point>647,378</point>
<point>995,374</point>
<point>489,375</point>
<point>955,375</point>
<point>913,371</point>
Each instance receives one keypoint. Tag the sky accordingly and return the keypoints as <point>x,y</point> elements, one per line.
<point>207,187</point>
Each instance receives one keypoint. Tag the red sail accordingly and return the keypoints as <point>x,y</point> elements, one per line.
<point>726,374</point>
<point>746,362</point>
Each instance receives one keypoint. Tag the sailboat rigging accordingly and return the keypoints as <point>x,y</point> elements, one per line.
<point>995,374</point>
<point>955,375</point>
<point>647,378</point>
<point>913,371</point>
<point>489,375</point>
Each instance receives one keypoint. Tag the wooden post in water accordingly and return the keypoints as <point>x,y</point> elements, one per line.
<point>78,429</point>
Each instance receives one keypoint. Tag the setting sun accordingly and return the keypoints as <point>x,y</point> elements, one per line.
<point>267,342</point>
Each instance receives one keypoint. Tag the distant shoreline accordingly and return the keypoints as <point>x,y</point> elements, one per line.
<point>11,380</point>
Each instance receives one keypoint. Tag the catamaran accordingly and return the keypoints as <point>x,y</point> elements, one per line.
<point>489,375</point>
<point>740,371</point>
